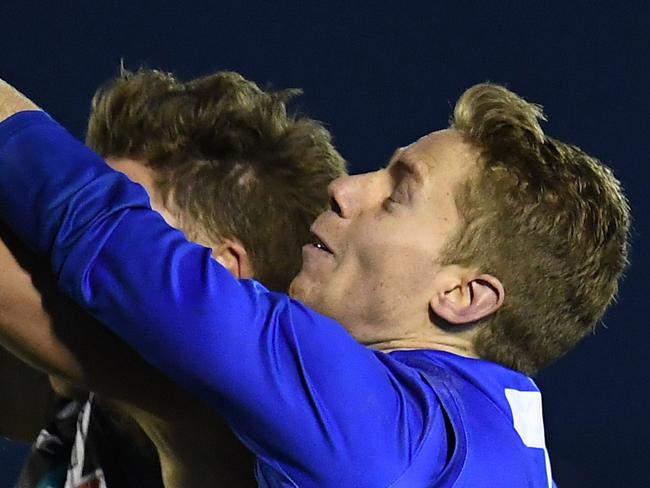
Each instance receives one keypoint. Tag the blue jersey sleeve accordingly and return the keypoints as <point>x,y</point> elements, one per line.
<point>295,386</point>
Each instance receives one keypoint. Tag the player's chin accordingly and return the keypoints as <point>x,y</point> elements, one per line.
<point>303,288</point>
<point>297,286</point>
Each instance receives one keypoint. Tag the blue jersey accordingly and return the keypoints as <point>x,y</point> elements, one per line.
<point>317,408</point>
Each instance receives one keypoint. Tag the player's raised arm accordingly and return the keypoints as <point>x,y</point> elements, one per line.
<point>285,377</point>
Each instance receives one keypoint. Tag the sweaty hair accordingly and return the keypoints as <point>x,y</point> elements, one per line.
<point>548,220</point>
<point>229,160</point>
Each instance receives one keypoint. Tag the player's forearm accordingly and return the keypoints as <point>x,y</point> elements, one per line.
<point>26,329</point>
<point>56,337</point>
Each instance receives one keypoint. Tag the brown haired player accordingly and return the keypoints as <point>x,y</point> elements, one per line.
<point>418,378</point>
<point>223,161</point>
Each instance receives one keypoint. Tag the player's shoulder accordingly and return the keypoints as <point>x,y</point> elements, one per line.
<point>494,416</point>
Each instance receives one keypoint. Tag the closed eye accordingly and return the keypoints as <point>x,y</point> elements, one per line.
<point>402,175</point>
<point>397,197</point>
<point>399,194</point>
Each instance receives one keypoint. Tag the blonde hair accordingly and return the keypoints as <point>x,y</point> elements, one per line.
<point>548,220</point>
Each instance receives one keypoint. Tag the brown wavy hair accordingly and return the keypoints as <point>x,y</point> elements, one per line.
<point>229,159</point>
<point>548,220</point>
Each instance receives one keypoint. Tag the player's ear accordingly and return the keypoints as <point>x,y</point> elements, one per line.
<point>233,256</point>
<point>463,296</point>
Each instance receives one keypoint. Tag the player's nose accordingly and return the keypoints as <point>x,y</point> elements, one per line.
<point>350,194</point>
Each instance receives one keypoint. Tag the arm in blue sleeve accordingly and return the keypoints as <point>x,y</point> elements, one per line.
<point>293,384</point>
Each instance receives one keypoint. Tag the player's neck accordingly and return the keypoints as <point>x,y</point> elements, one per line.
<point>452,345</point>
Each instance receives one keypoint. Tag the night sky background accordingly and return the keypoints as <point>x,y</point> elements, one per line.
<point>380,76</point>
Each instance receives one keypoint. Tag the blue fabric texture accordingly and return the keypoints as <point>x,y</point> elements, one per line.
<point>317,408</point>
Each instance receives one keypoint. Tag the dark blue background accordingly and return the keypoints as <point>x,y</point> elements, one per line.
<point>382,75</point>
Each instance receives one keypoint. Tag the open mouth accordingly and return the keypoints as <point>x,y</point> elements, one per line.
<point>319,244</point>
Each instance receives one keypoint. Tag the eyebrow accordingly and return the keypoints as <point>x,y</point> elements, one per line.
<point>400,160</point>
